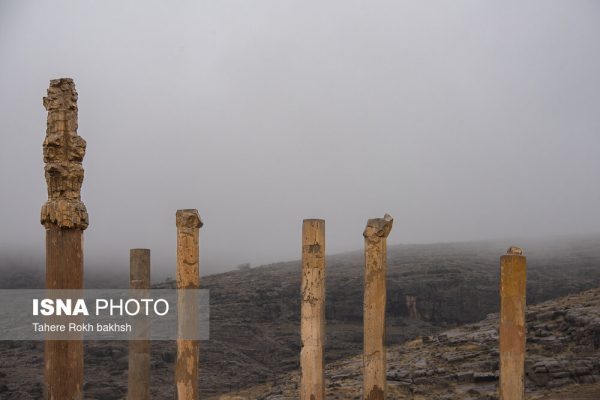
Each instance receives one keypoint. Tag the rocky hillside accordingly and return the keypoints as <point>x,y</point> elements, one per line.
<point>562,361</point>
<point>255,313</point>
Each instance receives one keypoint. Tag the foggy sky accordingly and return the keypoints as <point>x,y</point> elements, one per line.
<point>465,120</point>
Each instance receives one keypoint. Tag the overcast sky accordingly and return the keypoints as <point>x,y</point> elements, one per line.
<point>465,120</point>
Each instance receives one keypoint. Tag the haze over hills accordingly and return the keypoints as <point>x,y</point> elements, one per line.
<point>461,119</point>
<point>22,268</point>
<point>255,312</point>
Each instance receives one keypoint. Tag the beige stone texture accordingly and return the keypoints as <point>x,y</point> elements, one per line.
<point>374,352</point>
<point>513,272</point>
<point>312,325</point>
<point>188,277</point>
<point>63,153</point>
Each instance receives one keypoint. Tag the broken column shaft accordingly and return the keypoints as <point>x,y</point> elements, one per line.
<point>65,217</point>
<point>374,356</point>
<point>312,319</point>
<point>188,277</point>
<point>513,270</point>
<point>138,387</point>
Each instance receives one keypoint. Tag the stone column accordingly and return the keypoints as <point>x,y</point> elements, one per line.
<point>374,357</point>
<point>188,277</point>
<point>65,217</point>
<point>138,387</point>
<point>513,270</point>
<point>312,319</point>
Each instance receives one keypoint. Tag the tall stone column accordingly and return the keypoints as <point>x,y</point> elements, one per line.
<point>188,277</point>
<point>374,357</point>
<point>513,272</point>
<point>312,319</point>
<point>138,387</point>
<point>65,217</point>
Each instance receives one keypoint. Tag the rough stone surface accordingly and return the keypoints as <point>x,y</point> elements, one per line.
<point>374,305</point>
<point>378,228</point>
<point>64,217</point>
<point>63,155</point>
<point>312,314</point>
<point>188,277</point>
<point>188,252</point>
<point>462,363</point>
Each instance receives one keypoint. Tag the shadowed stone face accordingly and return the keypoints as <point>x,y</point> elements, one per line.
<point>378,228</point>
<point>63,154</point>
<point>188,219</point>
<point>376,394</point>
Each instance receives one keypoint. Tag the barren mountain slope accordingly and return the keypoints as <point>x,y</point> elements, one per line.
<point>255,313</point>
<point>562,362</point>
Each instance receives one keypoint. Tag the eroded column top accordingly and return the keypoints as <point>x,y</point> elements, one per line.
<point>378,228</point>
<point>514,251</point>
<point>63,153</point>
<point>188,218</point>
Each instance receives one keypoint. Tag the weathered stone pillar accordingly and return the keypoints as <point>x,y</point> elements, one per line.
<point>312,319</point>
<point>188,277</point>
<point>138,387</point>
<point>513,271</point>
<point>65,217</point>
<point>374,357</point>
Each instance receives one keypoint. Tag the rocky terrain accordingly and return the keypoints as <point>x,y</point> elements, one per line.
<point>562,361</point>
<point>255,313</point>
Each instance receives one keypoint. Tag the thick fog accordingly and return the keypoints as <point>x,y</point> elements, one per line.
<point>465,120</point>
